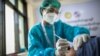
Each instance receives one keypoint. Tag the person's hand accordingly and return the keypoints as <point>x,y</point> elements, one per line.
<point>79,40</point>
<point>62,47</point>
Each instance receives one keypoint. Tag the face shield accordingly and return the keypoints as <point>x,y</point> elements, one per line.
<point>50,15</point>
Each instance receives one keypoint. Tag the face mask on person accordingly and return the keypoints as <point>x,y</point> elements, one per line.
<point>50,17</point>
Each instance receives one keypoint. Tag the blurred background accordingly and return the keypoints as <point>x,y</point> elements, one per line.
<point>17,17</point>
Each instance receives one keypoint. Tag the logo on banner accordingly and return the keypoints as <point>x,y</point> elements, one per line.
<point>68,15</point>
<point>77,14</point>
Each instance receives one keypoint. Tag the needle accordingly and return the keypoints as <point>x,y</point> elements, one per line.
<point>58,36</point>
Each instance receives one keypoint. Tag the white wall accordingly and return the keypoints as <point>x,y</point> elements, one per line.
<point>31,15</point>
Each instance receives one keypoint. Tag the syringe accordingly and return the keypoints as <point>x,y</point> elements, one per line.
<point>70,43</point>
<point>58,36</point>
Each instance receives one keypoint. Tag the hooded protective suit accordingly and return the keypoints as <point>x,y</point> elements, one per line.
<point>37,43</point>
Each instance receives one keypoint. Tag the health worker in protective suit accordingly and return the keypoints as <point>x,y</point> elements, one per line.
<point>51,36</point>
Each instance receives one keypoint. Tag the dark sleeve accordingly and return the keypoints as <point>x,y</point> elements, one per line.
<point>90,48</point>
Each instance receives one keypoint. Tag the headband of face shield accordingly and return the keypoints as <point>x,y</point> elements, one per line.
<point>47,3</point>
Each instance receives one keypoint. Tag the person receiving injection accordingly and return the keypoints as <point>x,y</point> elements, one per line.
<point>50,37</point>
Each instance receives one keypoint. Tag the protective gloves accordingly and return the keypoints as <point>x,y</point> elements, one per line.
<point>79,40</point>
<point>62,46</point>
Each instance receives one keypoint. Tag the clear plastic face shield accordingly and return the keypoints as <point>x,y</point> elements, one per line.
<point>50,14</point>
